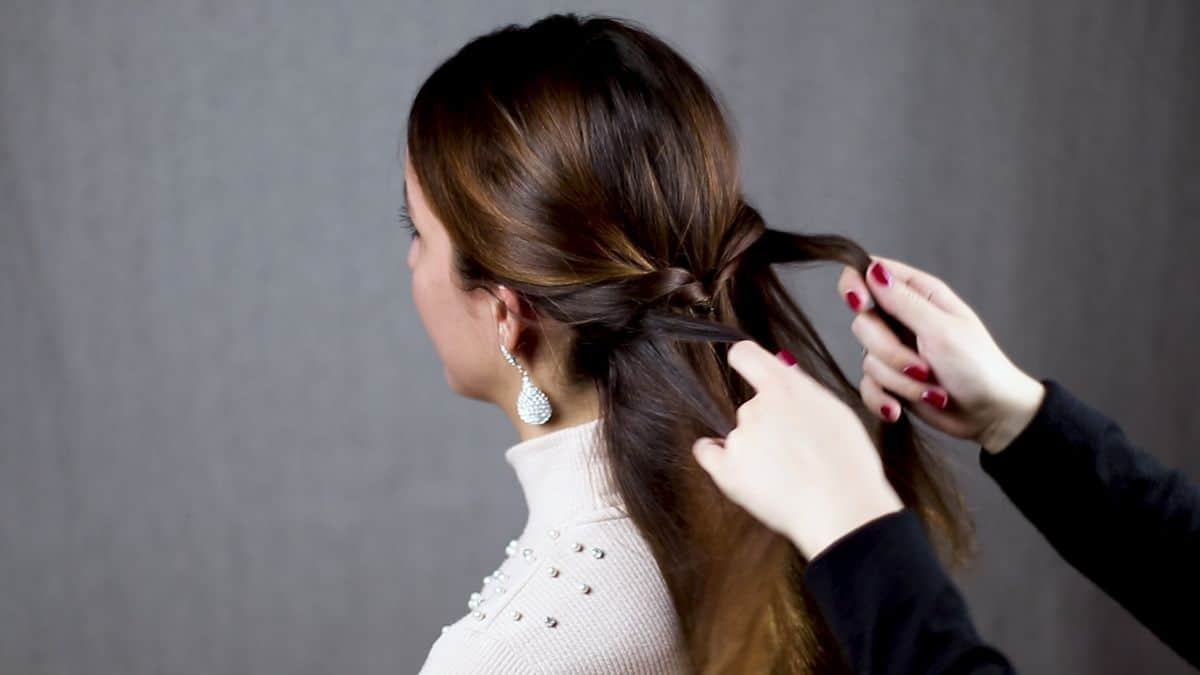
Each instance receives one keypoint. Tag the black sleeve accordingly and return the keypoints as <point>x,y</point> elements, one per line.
<point>892,607</point>
<point>1111,510</point>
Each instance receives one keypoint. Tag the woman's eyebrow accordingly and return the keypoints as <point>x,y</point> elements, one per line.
<point>404,186</point>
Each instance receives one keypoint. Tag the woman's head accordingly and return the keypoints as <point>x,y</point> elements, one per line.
<point>576,187</point>
<point>565,153</point>
<point>468,322</point>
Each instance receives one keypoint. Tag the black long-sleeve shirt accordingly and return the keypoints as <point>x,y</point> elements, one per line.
<point>1115,513</point>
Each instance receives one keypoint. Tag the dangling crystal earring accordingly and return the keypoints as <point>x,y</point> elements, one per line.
<point>533,406</point>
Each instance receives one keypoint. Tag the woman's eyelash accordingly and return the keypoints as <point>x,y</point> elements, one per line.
<point>406,221</point>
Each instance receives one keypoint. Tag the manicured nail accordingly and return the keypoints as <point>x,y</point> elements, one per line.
<point>935,398</point>
<point>853,300</point>
<point>786,356</point>
<point>886,409</point>
<point>881,275</point>
<point>917,372</point>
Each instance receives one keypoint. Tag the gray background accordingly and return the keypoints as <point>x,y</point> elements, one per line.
<point>226,445</point>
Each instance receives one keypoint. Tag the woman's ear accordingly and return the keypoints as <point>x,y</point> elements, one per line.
<point>507,311</point>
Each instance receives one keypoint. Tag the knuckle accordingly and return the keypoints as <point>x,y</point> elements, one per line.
<point>746,412</point>
<point>856,324</point>
<point>896,358</point>
<point>872,367</point>
<point>843,281</point>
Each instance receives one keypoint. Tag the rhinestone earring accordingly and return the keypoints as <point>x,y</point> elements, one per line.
<point>533,406</point>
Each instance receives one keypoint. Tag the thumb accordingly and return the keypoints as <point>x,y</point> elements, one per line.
<point>709,454</point>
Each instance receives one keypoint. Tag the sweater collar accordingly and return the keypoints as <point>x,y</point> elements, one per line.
<point>563,473</point>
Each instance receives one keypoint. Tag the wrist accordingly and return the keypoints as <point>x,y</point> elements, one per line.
<point>1018,404</point>
<point>845,519</point>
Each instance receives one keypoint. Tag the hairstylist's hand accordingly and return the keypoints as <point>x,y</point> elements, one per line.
<point>799,459</point>
<point>958,379</point>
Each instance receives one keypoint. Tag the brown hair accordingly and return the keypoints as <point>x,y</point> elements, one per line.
<point>584,163</point>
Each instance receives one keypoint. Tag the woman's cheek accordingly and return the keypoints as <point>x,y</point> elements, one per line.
<point>420,294</point>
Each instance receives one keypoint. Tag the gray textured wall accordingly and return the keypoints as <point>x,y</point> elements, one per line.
<point>225,442</point>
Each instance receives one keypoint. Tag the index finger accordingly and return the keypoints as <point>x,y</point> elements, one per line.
<point>936,291</point>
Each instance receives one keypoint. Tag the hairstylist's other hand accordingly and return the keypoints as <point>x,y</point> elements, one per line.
<point>958,380</point>
<point>799,459</point>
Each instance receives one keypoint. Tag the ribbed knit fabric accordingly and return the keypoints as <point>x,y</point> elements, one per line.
<point>578,591</point>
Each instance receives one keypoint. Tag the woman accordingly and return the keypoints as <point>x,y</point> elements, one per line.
<point>1124,520</point>
<point>582,257</point>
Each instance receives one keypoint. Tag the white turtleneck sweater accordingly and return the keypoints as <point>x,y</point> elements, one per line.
<point>578,591</point>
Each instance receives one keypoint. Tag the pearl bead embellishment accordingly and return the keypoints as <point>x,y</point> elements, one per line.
<point>477,599</point>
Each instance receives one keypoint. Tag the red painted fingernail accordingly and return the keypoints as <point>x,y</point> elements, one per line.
<point>881,275</point>
<point>935,397</point>
<point>786,356</point>
<point>886,409</point>
<point>853,300</point>
<point>917,372</point>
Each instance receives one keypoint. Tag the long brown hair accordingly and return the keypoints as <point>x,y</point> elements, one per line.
<point>582,162</point>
